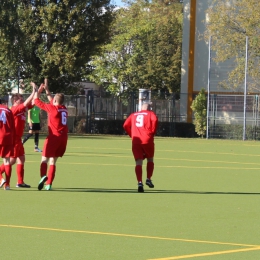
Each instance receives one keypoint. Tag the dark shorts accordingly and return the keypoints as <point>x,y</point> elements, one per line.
<point>142,151</point>
<point>35,127</point>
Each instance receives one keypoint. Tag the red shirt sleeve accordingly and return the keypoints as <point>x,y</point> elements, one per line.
<point>154,123</point>
<point>127,125</point>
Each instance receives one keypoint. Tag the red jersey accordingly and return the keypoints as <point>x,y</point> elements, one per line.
<point>19,113</point>
<point>141,126</point>
<point>7,129</point>
<point>57,117</point>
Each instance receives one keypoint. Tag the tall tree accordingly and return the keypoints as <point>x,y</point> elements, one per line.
<point>52,38</point>
<point>230,21</point>
<point>145,48</point>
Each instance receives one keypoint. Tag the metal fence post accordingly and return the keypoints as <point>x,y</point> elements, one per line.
<point>89,107</point>
<point>245,91</point>
<point>207,130</point>
<point>172,116</point>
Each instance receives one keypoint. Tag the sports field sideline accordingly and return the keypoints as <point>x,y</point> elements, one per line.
<point>205,204</point>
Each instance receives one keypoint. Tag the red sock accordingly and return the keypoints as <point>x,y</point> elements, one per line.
<point>138,172</point>
<point>2,170</point>
<point>43,169</point>
<point>8,173</point>
<point>20,172</point>
<point>149,169</point>
<point>51,174</point>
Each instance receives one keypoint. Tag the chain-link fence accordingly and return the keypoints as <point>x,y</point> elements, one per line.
<point>228,116</point>
<point>85,110</point>
<point>94,108</point>
<point>232,112</point>
<point>233,117</point>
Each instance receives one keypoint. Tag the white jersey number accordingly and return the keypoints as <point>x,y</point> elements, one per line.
<point>3,117</point>
<point>139,121</point>
<point>64,118</point>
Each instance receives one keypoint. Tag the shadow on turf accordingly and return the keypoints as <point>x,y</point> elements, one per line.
<point>153,191</point>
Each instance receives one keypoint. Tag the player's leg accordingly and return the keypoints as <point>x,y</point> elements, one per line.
<point>138,155</point>
<point>51,172</point>
<point>6,152</point>
<point>19,155</point>
<point>149,170</point>
<point>30,134</point>
<point>139,174</point>
<point>36,142</point>
<point>49,149</point>
<point>2,170</point>
<point>8,173</point>
<point>20,172</point>
<point>3,155</point>
<point>43,172</point>
<point>36,128</point>
<point>138,169</point>
<point>36,139</point>
<point>8,162</point>
<point>54,147</point>
<point>149,152</point>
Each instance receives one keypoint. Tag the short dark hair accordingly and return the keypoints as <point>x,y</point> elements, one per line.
<point>4,99</point>
<point>15,97</point>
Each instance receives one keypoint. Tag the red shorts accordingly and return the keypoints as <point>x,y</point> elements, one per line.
<point>142,151</point>
<point>55,146</point>
<point>6,151</point>
<point>18,148</point>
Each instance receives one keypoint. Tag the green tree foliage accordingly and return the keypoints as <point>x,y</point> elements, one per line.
<point>199,107</point>
<point>145,48</point>
<point>52,38</point>
<point>230,21</point>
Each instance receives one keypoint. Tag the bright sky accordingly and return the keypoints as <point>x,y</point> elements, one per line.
<point>117,2</point>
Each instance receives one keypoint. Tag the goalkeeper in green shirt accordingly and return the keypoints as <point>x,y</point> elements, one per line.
<point>34,122</point>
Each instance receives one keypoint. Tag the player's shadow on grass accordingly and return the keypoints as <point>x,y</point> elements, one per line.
<point>106,190</point>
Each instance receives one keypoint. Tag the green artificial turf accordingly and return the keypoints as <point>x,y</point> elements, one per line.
<point>205,204</point>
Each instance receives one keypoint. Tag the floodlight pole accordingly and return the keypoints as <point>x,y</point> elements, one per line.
<point>245,90</point>
<point>207,130</point>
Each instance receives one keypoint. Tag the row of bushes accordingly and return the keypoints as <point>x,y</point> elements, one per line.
<point>234,132</point>
<point>115,127</point>
<point>173,129</point>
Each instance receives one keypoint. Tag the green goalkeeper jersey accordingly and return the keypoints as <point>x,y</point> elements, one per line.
<point>35,115</point>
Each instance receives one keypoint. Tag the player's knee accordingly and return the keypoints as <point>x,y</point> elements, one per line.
<point>139,162</point>
<point>44,159</point>
<point>12,161</point>
<point>53,160</point>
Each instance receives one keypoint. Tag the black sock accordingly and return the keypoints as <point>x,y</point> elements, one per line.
<point>36,139</point>
<point>27,137</point>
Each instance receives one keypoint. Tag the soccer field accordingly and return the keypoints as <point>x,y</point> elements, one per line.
<point>205,204</point>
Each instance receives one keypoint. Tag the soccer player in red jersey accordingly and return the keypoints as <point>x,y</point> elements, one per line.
<point>141,127</point>
<point>19,109</point>
<point>7,137</point>
<point>56,141</point>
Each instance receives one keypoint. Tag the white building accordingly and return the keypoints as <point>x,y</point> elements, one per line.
<point>195,57</point>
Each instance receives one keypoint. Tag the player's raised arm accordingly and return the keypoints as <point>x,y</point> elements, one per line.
<point>29,99</point>
<point>46,86</point>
